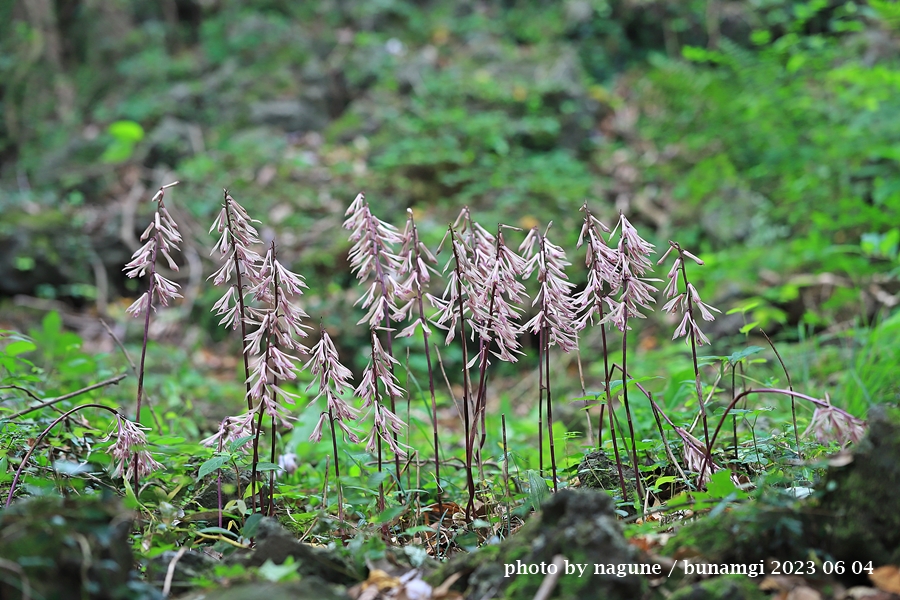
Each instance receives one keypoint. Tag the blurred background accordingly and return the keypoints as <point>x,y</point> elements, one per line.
<point>762,135</point>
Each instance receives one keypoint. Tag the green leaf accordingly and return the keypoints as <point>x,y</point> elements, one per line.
<point>721,486</point>
<point>664,480</point>
<point>251,525</point>
<point>389,514</point>
<point>418,529</point>
<point>538,490</point>
<point>743,309</point>
<point>748,351</point>
<point>266,466</point>
<point>236,445</point>
<point>219,531</point>
<point>19,347</point>
<point>275,573</point>
<point>377,478</point>
<point>52,324</point>
<point>749,327</point>
<point>126,131</point>
<point>165,440</point>
<point>213,464</point>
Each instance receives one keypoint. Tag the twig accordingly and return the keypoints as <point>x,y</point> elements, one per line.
<point>549,583</point>
<point>120,345</point>
<point>170,572</point>
<point>134,370</point>
<point>14,567</point>
<point>53,401</point>
<point>791,388</point>
<point>21,389</point>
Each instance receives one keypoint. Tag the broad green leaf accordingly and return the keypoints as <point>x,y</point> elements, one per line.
<point>213,464</point>
<point>720,485</point>
<point>389,514</point>
<point>538,490</point>
<point>664,480</point>
<point>749,327</point>
<point>251,525</point>
<point>275,573</point>
<point>236,445</point>
<point>748,351</point>
<point>126,131</point>
<point>19,347</point>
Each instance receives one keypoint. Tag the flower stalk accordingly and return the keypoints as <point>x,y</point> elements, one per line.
<point>160,237</point>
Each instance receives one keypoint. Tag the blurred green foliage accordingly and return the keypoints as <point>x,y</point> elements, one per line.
<point>759,134</point>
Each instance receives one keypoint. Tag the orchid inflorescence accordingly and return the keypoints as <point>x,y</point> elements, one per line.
<point>485,294</point>
<point>161,237</point>
<point>483,301</point>
<point>129,450</point>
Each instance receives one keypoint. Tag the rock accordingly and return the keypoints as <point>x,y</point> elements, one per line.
<point>76,547</point>
<point>290,115</point>
<point>860,504</point>
<point>310,588</point>
<point>579,525</point>
<point>856,519</point>
<point>597,471</point>
<point>275,543</point>
<point>209,495</point>
<point>192,565</point>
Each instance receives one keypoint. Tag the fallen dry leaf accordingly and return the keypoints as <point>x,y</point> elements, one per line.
<point>841,459</point>
<point>887,578</point>
<point>861,592</point>
<point>781,583</point>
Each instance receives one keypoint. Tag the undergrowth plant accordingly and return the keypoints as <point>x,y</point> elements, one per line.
<point>373,255</point>
<point>162,238</point>
<point>416,262</point>
<point>554,323</point>
<point>485,297</point>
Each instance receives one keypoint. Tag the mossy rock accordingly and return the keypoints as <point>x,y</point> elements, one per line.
<point>861,507</point>
<point>308,588</point>
<point>76,547</point>
<point>856,518</point>
<point>598,472</point>
<point>579,525</point>
<point>274,543</point>
<point>725,587</point>
<point>747,534</point>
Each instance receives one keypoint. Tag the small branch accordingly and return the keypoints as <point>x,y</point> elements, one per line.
<point>53,401</point>
<point>791,388</point>
<point>21,389</point>
<point>170,571</point>
<point>549,583</point>
<point>120,345</point>
<point>40,438</point>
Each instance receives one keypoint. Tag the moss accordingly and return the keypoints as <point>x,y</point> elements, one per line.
<point>745,534</point>
<point>860,511</point>
<point>726,587</point>
<point>579,525</point>
<point>596,471</point>
<point>70,547</point>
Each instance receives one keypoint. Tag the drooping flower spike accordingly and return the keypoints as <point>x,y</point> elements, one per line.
<point>684,302</point>
<point>160,237</point>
